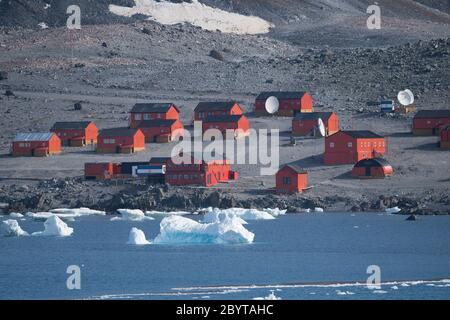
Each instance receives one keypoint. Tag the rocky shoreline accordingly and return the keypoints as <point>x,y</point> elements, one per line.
<point>112,195</point>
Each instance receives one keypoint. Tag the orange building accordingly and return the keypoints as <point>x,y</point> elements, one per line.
<point>291,179</point>
<point>306,124</point>
<point>161,130</point>
<point>430,122</point>
<point>36,144</point>
<point>120,140</point>
<point>291,102</point>
<point>372,168</point>
<point>238,123</point>
<point>153,111</point>
<point>76,134</point>
<point>204,110</point>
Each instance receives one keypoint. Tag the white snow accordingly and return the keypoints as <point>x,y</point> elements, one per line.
<point>54,226</point>
<point>131,215</point>
<point>181,230</point>
<point>317,209</point>
<point>43,25</point>
<point>195,13</point>
<point>271,296</point>
<point>15,215</point>
<point>137,237</point>
<point>245,214</point>
<point>393,210</point>
<point>11,228</point>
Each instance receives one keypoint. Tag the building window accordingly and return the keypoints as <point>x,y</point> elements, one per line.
<point>331,144</point>
<point>159,115</point>
<point>146,116</point>
<point>137,116</point>
<point>350,144</point>
<point>109,141</point>
<point>287,181</point>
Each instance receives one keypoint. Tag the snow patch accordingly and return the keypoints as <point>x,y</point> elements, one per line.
<point>195,13</point>
<point>11,228</point>
<point>181,230</point>
<point>54,226</point>
<point>137,237</point>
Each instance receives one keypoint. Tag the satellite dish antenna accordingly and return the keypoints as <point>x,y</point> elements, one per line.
<point>272,105</point>
<point>321,127</point>
<point>405,97</point>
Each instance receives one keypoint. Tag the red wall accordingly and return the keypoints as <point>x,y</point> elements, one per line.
<point>360,149</point>
<point>299,181</point>
<point>375,172</point>
<point>197,174</point>
<point>304,127</point>
<point>235,110</point>
<point>430,123</point>
<point>138,141</point>
<point>90,133</point>
<point>53,145</point>
<point>151,133</point>
<point>242,124</point>
<point>172,113</point>
<point>445,135</point>
<point>305,104</point>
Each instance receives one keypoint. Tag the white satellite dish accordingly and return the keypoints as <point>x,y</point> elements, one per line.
<point>272,105</point>
<point>321,127</point>
<point>405,97</point>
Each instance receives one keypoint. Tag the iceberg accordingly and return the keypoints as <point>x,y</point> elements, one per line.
<point>137,237</point>
<point>317,209</point>
<point>64,213</point>
<point>11,228</point>
<point>393,210</point>
<point>131,215</point>
<point>15,215</point>
<point>167,213</point>
<point>246,214</point>
<point>54,226</point>
<point>181,230</point>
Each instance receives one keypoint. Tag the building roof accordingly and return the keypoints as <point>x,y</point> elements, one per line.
<point>361,134</point>
<point>227,118</point>
<point>71,125</point>
<point>215,106</point>
<point>156,123</point>
<point>379,162</point>
<point>281,95</point>
<point>152,107</point>
<point>36,136</point>
<point>118,132</point>
<point>294,167</point>
<point>313,116</point>
<point>432,114</point>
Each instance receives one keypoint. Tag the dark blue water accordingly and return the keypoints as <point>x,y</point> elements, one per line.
<point>298,256</point>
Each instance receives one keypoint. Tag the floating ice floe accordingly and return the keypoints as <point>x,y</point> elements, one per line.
<point>317,209</point>
<point>64,213</point>
<point>11,228</point>
<point>195,13</point>
<point>181,230</point>
<point>54,226</point>
<point>271,296</point>
<point>137,237</point>
<point>15,215</point>
<point>217,216</point>
<point>344,293</point>
<point>246,214</point>
<point>131,215</point>
<point>393,210</point>
<point>167,213</point>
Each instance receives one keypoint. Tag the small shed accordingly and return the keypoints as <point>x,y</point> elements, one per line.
<point>204,110</point>
<point>236,124</point>
<point>153,111</point>
<point>306,124</point>
<point>430,122</point>
<point>372,168</point>
<point>120,140</point>
<point>387,106</point>
<point>36,144</point>
<point>445,138</point>
<point>291,102</point>
<point>76,133</point>
<point>161,131</point>
<point>291,179</point>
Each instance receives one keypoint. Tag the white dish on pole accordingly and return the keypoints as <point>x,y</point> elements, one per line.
<point>405,97</point>
<point>272,105</point>
<point>321,127</point>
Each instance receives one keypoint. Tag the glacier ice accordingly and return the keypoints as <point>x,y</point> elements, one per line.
<point>137,237</point>
<point>54,226</point>
<point>11,228</point>
<point>181,230</point>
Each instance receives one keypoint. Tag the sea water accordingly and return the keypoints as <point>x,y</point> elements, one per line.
<point>302,256</point>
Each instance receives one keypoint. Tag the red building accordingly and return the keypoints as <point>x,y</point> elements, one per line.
<point>198,172</point>
<point>161,130</point>
<point>372,168</point>
<point>76,134</point>
<point>36,145</point>
<point>429,122</point>
<point>101,170</point>
<point>445,138</point>
<point>238,123</point>
<point>291,179</point>
<point>204,110</point>
<point>306,124</point>
<point>348,147</point>
<point>120,140</point>
<point>291,103</point>
<point>153,111</point>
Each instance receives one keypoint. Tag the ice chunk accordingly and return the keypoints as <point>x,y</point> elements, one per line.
<point>271,296</point>
<point>217,216</point>
<point>246,214</point>
<point>181,230</point>
<point>54,226</point>
<point>131,215</point>
<point>137,237</point>
<point>15,215</point>
<point>11,228</point>
<point>393,210</point>
<point>317,209</point>
<point>64,213</point>
<point>167,213</point>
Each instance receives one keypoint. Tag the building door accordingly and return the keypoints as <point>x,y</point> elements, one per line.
<point>367,171</point>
